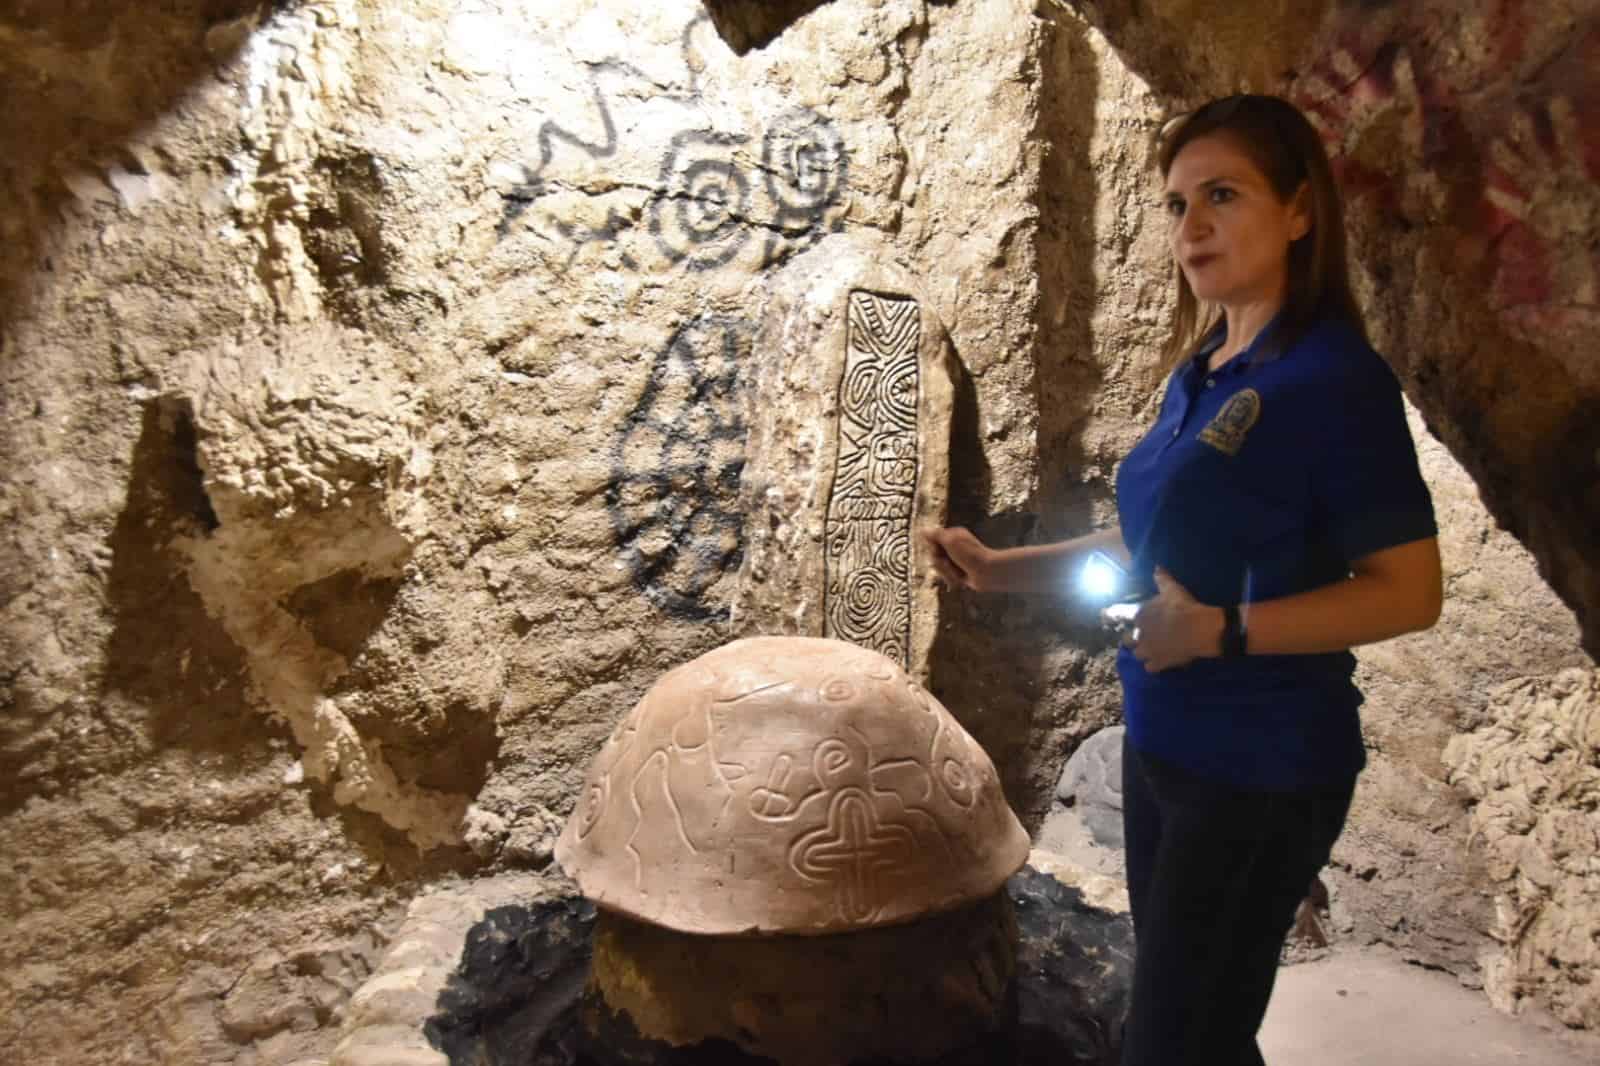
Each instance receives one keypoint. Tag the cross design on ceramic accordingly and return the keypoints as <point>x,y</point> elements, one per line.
<point>853,852</point>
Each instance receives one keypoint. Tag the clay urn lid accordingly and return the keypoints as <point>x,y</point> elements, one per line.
<point>789,785</point>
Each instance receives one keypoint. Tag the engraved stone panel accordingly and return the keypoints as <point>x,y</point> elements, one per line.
<point>868,532</point>
<point>794,785</point>
<point>847,455</point>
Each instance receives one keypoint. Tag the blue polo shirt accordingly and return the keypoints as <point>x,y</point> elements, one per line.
<point>1266,478</point>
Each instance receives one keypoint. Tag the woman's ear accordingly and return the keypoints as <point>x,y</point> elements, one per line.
<point>1300,212</point>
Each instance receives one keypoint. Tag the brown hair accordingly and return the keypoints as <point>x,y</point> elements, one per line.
<point>1286,149</point>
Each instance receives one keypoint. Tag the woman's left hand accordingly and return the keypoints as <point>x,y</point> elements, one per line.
<point>1173,628</point>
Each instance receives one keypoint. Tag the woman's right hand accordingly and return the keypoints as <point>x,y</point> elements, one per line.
<point>959,557</point>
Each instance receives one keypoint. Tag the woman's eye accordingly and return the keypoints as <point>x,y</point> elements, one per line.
<point>1174,208</point>
<point>1221,195</point>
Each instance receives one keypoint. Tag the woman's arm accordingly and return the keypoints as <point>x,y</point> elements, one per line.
<point>1390,592</point>
<point>1393,591</point>
<point>966,562</point>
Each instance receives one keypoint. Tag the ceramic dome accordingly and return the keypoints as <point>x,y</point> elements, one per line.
<point>789,785</point>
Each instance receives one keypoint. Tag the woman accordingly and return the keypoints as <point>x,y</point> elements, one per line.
<point>1277,514</point>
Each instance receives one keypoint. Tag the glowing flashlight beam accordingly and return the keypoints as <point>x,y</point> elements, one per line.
<point>1098,579</point>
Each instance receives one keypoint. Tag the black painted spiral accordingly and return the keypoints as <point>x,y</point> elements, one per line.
<point>700,213</point>
<point>804,164</point>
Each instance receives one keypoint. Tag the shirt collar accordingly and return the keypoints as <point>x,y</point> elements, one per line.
<point>1244,359</point>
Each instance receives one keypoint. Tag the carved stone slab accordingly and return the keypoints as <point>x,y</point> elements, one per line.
<point>848,454</point>
<point>789,785</point>
<point>868,530</point>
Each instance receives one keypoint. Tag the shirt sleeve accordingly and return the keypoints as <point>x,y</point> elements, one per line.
<point>1366,487</point>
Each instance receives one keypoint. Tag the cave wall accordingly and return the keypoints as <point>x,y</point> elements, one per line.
<point>372,395</point>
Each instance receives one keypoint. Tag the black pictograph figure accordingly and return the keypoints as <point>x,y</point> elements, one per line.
<point>674,492</point>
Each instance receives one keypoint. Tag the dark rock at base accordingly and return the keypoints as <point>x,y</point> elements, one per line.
<point>1074,974</point>
<point>905,992</point>
<point>896,993</point>
<point>514,996</point>
<point>517,996</point>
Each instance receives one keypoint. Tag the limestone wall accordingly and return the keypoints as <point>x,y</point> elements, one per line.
<point>1410,870</point>
<point>373,414</point>
<point>1533,768</point>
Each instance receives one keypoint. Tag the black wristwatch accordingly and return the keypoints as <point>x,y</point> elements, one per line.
<point>1233,634</point>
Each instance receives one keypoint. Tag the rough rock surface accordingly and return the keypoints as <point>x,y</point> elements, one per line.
<point>335,336</point>
<point>1534,770</point>
<point>1190,49</point>
<point>384,1022</point>
<point>1403,873</point>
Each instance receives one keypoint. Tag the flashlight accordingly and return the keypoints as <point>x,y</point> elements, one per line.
<point>1103,580</point>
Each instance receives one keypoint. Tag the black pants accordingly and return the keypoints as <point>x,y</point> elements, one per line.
<point>1215,875</point>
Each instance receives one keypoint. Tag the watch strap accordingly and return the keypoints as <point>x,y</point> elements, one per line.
<point>1234,639</point>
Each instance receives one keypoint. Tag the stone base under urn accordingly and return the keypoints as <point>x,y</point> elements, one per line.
<point>1034,975</point>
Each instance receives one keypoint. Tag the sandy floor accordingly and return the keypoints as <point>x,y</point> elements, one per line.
<point>1367,1007</point>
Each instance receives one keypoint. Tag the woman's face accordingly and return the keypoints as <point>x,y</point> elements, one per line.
<point>1229,231</point>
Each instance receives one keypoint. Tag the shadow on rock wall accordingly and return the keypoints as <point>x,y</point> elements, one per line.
<point>166,654</point>
<point>80,78</point>
<point>1047,641</point>
<point>983,643</point>
<point>747,24</point>
<point>1068,379</point>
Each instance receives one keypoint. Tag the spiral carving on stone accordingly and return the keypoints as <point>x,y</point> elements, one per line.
<point>896,558</point>
<point>868,609</point>
<point>838,691</point>
<point>860,389</point>
<point>867,598</point>
<point>958,782</point>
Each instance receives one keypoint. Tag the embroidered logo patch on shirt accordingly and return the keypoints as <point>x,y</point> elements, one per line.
<point>1226,432</point>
